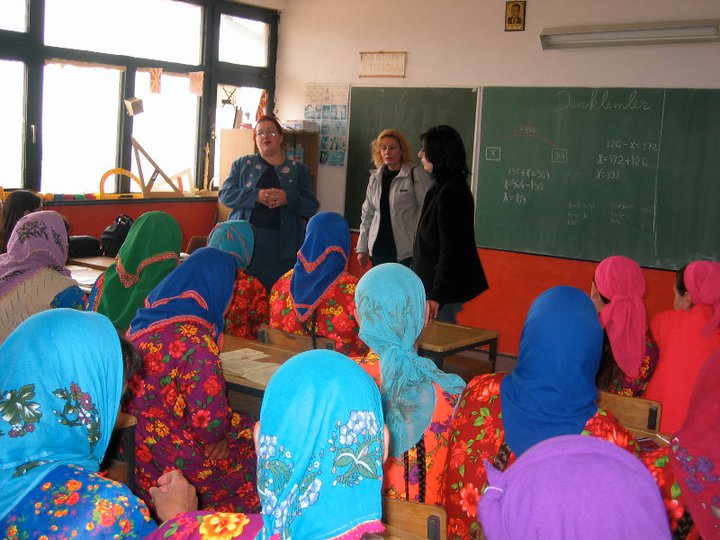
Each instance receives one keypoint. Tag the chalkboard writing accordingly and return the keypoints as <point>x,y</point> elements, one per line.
<point>412,111</point>
<point>590,172</point>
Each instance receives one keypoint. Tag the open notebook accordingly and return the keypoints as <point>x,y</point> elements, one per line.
<point>245,363</point>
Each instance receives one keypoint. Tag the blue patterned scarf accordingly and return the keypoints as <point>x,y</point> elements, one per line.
<point>235,237</point>
<point>320,449</point>
<point>390,302</point>
<point>552,390</point>
<point>60,388</point>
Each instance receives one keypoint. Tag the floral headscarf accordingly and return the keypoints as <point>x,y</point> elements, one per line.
<point>320,449</point>
<point>59,397</point>
<point>200,288</point>
<point>39,240</point>
<point>390,302</point>
<point>150,252</point>
<point>552,390</point>
<point>235,237</point>
<point>320,262</point>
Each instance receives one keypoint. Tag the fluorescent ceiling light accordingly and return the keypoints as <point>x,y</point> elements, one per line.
<point>618,35</point>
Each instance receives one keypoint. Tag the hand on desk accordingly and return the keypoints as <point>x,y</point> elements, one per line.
<point>431,311</point>
<point>173,495</point>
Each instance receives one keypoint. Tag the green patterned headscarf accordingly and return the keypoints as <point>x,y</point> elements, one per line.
<point>150,252</point>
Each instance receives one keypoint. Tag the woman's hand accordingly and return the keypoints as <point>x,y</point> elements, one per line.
<point>363,259</point>
<point>218,450</point>
<point>431,311</point>
<point>173,495</point>
<point>272,197</point>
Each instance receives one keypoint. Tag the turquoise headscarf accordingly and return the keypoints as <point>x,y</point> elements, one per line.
<point>235,237</point>
<point>60,388</point>
<point>320,449</point>
<point>390,301</point>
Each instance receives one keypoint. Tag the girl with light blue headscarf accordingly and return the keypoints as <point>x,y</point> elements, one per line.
<point>418,398</point>
<point>250,304</point>
<point>320,443</point>
<point>60,388</point>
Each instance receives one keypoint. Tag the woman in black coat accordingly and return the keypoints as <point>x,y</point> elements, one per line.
<point>445,256</point>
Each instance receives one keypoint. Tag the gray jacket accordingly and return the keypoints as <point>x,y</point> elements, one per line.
<point>407,193</point>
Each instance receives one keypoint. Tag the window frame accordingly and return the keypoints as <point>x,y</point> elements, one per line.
<point>28,47</point>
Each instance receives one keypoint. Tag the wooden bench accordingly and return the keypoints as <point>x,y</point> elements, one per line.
<point>407,520</point>
<point>639,416</point>
<point>119,462</point>
<point>295,342</point>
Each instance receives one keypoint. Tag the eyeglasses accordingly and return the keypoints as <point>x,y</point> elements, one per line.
<point>263,133</point>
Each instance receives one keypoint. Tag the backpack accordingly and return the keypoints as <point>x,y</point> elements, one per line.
<point>114,235</point>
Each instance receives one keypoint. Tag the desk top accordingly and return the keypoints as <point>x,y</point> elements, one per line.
<point>100,262</point>
<point>440,336</point>
<point>84,275</point>
<point>277,355</point>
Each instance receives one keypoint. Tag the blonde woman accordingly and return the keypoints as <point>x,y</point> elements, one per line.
<point>393,201</point>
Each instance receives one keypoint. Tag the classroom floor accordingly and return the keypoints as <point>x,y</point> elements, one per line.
<point>467,364</point>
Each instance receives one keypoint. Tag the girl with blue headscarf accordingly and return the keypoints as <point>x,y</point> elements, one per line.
<point>184,418</point>
<point>418,398</point>
<point>316,297</point>
<point>249,307</point>
<point>60,387</point>
<point>319,469</point>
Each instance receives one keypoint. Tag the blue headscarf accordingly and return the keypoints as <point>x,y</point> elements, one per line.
<point>390,301</point>
<point>320,262</point>
<point>320,449</point>
<point>235,237</point>
<point>200,287</point>
<point>60,387</point>
<point>552,390</point>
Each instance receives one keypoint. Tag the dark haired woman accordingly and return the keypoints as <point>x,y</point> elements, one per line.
<point>19,203</point>
<point>445,256</point>
<point>274,194</point>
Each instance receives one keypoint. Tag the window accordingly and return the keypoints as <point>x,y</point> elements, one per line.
<point>14,14</point>
<point>157,29</point>
<point>167,128</point>
<point>80,124</point>
<point>243,41</point>
<point>12,74</point>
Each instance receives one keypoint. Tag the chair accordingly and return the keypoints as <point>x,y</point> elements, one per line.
<point>295,342</point>
<point>638,415</point>
<point>119,462</point>
<point>407,520</point>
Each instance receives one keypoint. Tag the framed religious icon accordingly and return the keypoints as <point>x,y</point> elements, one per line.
<point>515,16</point>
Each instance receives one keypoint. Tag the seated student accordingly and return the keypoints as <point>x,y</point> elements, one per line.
<point>18,204</point>
<point>686,336</point>
<point>316,297</point>
<point>418,398</point>
<point>33,276</point>
<point>249,307</point>
<point>696,451</point>
<point>551,392</point>
<point>184,420</point>
<point>150,252</point>
<point>572,487</point>
<point>58,423</point>
<point>319,469</point>
<point>629,356</point>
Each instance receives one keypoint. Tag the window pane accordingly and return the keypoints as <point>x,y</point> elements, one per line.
<point>157,29</point>
<point>80,126</point>
<point>244,100</point>
<point>12,74</point>
<point>243,41</point>
<point>167,128</point>
<point>13,15</point>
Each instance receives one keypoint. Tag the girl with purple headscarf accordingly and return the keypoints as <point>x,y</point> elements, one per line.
<point>33,276</point>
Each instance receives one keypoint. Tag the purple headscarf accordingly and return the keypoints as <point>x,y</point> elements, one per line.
<point>39,240</point>
<point>573,486</point>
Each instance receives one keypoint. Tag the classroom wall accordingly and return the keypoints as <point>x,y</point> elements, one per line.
<point>463,43</point>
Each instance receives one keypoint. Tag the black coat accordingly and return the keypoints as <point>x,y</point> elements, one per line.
<point>445,256</point>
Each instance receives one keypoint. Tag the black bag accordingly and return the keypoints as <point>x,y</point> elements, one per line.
<point>114,235</point>
<point>84,246</point>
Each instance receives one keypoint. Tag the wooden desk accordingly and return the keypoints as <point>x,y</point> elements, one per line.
<point>84,275</point>
<point>440,339</point>
<point>277,355</point>
<point>119,461</point>
<point>101,262</point>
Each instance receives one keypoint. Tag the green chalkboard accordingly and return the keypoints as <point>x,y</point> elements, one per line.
<point>412,111</point>
<point>590,172</point>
